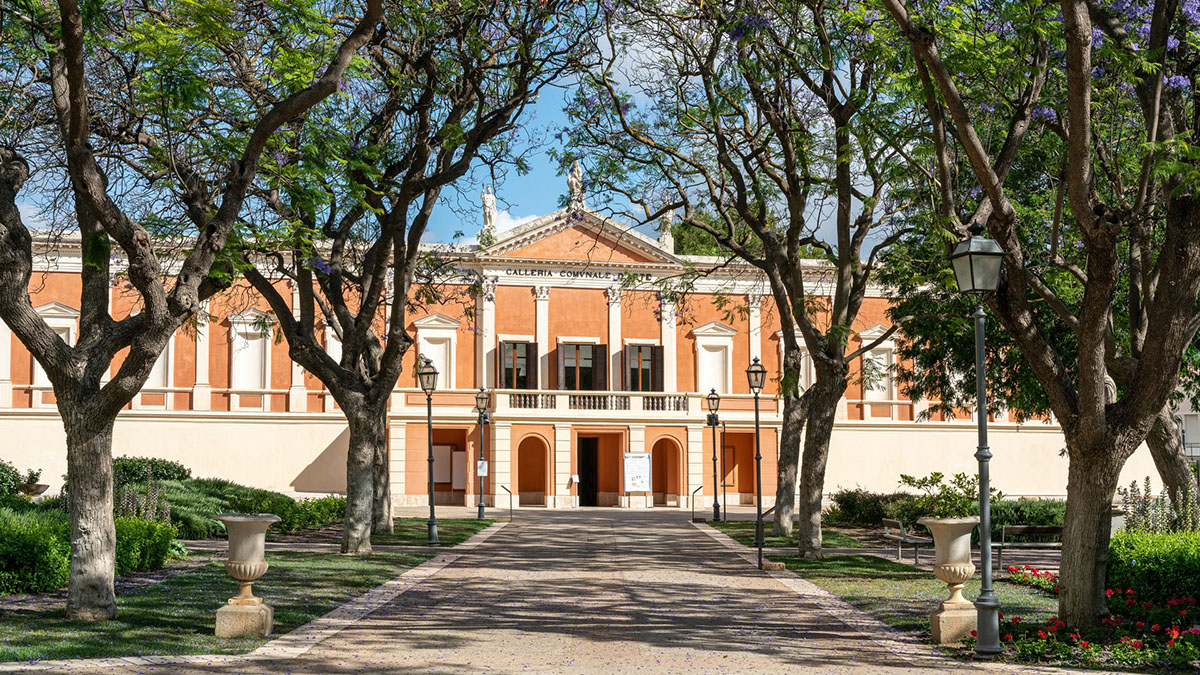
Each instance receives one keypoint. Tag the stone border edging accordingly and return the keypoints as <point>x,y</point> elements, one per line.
<point>292,644</point>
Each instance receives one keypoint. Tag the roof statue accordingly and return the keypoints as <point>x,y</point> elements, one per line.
<point>487,235</point>
<point>575,200</point>
<point>666,238</point>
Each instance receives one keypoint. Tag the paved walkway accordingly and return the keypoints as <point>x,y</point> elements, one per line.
<point>603,591</point>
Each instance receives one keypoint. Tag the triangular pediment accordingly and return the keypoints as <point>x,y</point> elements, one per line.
<point>436,320</point>
<point>580,235</point>
<point>873,333</point>
<point>714,329</point>
<point>56,310</point>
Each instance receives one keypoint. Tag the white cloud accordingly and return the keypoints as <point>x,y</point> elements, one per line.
<point>505,221</point>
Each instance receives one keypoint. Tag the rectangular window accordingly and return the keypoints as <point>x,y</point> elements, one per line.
<point>578,367</point>
<point>516,365</point>
<point>641,368</point>
<point>40,378</point>
<point>250,358</point>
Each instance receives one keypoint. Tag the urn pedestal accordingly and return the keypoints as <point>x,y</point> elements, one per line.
<point>246,615</point>
<point>957,617</point>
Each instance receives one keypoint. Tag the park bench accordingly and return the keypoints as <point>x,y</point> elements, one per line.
<point>894,530</point>
<point>1025,531</point>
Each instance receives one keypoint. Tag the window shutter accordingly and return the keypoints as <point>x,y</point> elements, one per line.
<point>500,364</point>
<point>600,368</point>
<point>656,368</point>
<point>531,368</point>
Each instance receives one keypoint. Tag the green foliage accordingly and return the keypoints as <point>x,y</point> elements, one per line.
<point>35,555</point>
<point>1013,512</point>
<point>860,507</point>
<point>940,500</point>
<point>194,503</point>
<point>1160,566</point>
<point>142,544</point>
<point>9,478</point>
<point>137,469</point>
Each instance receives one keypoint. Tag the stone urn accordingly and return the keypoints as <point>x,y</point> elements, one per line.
<point>955,619</point>
<point>246,615</point>
<point>32,489</point>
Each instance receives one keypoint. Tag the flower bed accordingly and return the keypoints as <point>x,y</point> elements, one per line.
<point>1140,632</point>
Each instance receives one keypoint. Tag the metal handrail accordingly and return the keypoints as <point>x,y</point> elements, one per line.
<point>693,500</point>
<point>759,538</point>
<point>510,508</point>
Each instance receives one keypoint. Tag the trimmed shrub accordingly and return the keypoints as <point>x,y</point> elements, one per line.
<point>1158,566</point>
<point>35,555</point>
<point>133,470</point>
<point>194,503</point>
<point>142,544</point>
<point>9,479</point>
<point>1026,513</point>
<point>860,507</point>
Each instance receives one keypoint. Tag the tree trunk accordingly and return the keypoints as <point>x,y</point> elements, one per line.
<point>90,593</point>
<point>822,410</point>
<point>790,437</point>
<point>366,437</point>
<point>381,517</point>
<point>1091,484</point>
<point>1166,447</point>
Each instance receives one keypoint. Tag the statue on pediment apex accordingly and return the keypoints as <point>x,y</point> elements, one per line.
<point>575,198</point>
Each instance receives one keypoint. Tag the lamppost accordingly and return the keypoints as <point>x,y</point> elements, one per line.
<point>482,400</point>
<point>976,262</point>
<point>756,375</point>
<point>427,376</point>
<point>714,402</point>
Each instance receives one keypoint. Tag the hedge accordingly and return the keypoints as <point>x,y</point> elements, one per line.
<point>195,502</point>
<point>142,544</point>
<point>9,479</point>
<point>1159,566</point>
<point>35,553</point>
<point>133,470</point>
<point>860,507</point>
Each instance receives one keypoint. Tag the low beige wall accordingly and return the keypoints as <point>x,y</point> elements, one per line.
<point>296,454</point>
<point>1026,459</point>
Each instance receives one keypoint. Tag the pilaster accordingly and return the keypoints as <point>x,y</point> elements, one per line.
<point>5,365</point>
<point>695,459</point>
<point>500,456</point>
<point>541,296</point>
<point>616,350</point>
<point>297,394</point>
<point>670,378</point>
<point>754,319</point>
<point>563,498</point>
<point>201,391</point>
<point>396,463</point>
<point>485,341</point>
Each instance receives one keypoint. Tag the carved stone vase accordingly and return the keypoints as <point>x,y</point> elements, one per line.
<point>956,617</point>
<point>246,615</point>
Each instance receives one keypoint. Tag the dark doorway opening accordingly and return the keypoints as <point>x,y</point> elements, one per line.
<point>589,482</point>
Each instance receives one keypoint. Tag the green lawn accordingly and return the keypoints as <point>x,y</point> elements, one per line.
<point>451,531</point>
<point>177,615</point>
<point>743,532</point>
<point>903,596</point>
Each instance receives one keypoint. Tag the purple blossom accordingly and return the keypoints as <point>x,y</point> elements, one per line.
<point>975,192</point>
<point>1172,42</point>
<point>1044,112</point>
<point>987,108</point>
<point>316,263</point>
<point>1178,81</point>
<point>1191,10</point>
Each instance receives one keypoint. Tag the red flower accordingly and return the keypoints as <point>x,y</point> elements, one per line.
<point>1053,627</point>
<point>1109,592</point>
<point>1016,619</point>
<point>1084,644</point>
<point>1008,636</point>
<point>1183,612</point>
<point>1139,625</point>
<point>1012,568</point>
<point>1042,634</point>
<point>1155,627</point>
<point>1129,592</point>
<point>1131,601</point>
<point>974,634</point>
<point>1170,643</point>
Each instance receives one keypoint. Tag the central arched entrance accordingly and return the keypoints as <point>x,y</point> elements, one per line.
<point>664,472</point>
<point>533,459</point>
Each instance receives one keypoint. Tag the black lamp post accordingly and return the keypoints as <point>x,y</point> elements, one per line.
<point>714,402</point>
<point>976,261</point>
<point>482,400</point>
<point>427,377</point>
<point>756,375</point>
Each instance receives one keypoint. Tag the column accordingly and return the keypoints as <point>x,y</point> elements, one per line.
<point>670,379</point>
<point>485,341</point>
<point>297,394</point>
<point>541,296</point>
<point>201,391</point>
<point>563,498</point>
<point>695,463</point>
<point>500,456</point>
<point>616,350</point>
<point>396,459</point>
<point>754,319</point>
<point>5,365</point>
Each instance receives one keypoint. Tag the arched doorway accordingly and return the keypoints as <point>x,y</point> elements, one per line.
<point>532,471</point>
<point>664,472</point>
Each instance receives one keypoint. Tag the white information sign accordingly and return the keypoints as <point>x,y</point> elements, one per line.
<point>637,472</point>
<point>481,468</point>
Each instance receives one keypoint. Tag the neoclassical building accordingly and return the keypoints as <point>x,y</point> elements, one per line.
<point>597,388</point>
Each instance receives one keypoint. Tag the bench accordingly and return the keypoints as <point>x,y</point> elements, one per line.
<point>894,530</point>
<point>1026,530</point>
